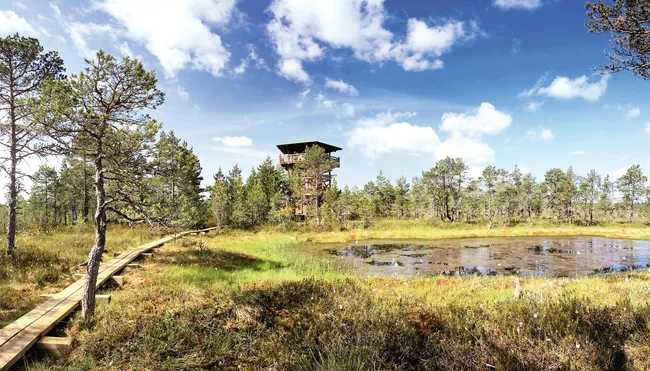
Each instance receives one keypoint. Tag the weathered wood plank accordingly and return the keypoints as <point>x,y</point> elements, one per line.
<point>45,297</point>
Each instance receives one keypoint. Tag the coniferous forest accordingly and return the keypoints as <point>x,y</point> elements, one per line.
<point>446,193</point>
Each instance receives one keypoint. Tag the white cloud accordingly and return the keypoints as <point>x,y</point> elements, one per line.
<point>81,32</point>
<point>301,97</point>
<point>535,88</point>
<point>341,86</point>
<point>546,134</point>
<point>485,120</point>
<point>348,110</point>
<point>619,172</point>
<point>533,106</point>
<point>126,50</point>
<point>517,4</point>
<point>234,141</point>
<point>178,33</point>
<point>182,92</point>
<point>566,88</point>
<point>301,30</point>
<point>646,128</point>
<point>20,5</point>
<point>384,133</point>
<point>475,172</point>
<point>435,40</point>
<point>417,63</point>
<point>241,68</point>
<point>11,23</point>
<point>323,101</point>
<point>539,134</point>
<point>577,152</point>
<point>471,149</point>
<point>291,69</point>
<point>632,113</point>
<point>252,59</point>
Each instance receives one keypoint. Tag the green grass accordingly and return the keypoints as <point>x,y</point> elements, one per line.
<point>268,300</point>
<point>391,228</point>
<point>45,262</point>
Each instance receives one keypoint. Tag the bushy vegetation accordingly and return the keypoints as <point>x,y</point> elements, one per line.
<point>267,301</point>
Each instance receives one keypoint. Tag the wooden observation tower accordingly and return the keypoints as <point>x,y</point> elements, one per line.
<point>293,154</point>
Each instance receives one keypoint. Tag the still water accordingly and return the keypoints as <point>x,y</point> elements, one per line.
<point>524,256</point>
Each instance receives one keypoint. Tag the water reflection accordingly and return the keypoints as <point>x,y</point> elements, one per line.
<point>525,256</point>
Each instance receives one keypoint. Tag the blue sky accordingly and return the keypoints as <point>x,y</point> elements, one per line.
<point>397,84</point>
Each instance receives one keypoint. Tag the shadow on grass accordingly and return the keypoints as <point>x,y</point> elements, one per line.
<point>218,259</point>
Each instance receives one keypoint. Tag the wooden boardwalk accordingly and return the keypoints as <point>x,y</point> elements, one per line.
<point>19,336</point>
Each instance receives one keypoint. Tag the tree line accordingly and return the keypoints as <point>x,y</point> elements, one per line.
<point>444,193</point>
<point>170,195</point>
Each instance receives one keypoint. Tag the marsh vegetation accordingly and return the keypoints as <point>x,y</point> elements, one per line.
<point>269,299</point>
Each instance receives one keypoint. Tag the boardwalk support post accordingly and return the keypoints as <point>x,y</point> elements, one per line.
<point>58,346</point>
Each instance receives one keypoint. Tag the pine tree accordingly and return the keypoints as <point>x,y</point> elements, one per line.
<point>176,184</point>
<point>632,185</point>
<point>76,190</point>
<point>626,21</point>
<point>97,115</point>
<point>220,200</point>
<point>401,197</point>
<point>589,193</point>
<point>385,195</point>
<point>236,197</point>
<point>24,67</point>
<point>43,198</point>
<point>444,183</point>
<point>528,187</point>
<point>606,202</point>
<point>560,193</point>
<point>489,179</point>
<point>257,203</point>
<point>331,205</point>
<point>271,178</point>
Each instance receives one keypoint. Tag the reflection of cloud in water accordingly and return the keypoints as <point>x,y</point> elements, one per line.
<point>527,256</point>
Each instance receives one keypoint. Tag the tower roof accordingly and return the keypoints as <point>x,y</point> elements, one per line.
<point>300,147</point>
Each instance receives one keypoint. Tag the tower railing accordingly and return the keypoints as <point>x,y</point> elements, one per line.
<point>294,158</point>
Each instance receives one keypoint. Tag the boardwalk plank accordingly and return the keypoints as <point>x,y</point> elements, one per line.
<point>19,336</point>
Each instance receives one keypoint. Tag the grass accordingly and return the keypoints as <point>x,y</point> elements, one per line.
<point>264,300</point>
<point>45,262</point>
<point>411,229</point>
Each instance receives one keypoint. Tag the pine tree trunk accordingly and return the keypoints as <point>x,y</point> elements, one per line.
<point>13,200</point>
<point>94,258</point>
<point>632,207</point>
<point>13,186</point>
<point>86,208</point>
<point>490,213</point>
